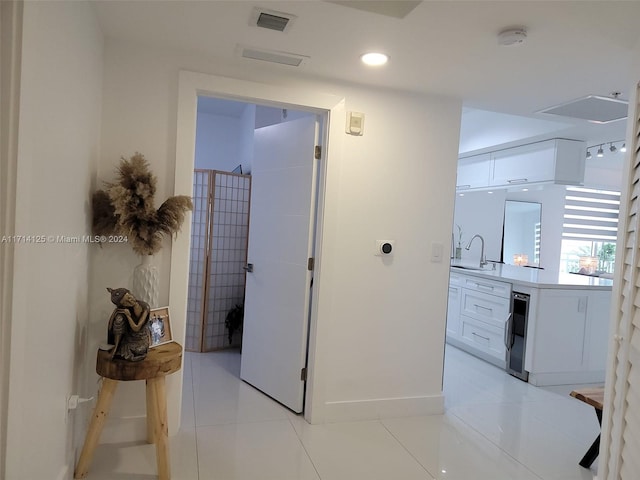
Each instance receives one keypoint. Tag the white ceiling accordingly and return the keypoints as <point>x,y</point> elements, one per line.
<point>448,48</point>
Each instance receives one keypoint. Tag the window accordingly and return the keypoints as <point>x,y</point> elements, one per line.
<point>589,231</point>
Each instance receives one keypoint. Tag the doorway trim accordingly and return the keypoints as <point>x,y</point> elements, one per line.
<point>190,86</point>
<point>11,14</point>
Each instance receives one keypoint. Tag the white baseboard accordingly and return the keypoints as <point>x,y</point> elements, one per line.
<point>565,378</point>
<point>66,473</point>
<point>383,408</point>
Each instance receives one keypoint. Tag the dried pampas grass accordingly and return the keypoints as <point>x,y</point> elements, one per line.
<point>126,207</point>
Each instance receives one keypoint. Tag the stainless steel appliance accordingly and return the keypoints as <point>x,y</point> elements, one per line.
<point>515,335</point>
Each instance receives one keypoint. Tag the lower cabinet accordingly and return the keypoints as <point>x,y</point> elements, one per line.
<point>453,305</point>
<point>484,337</point>
<point>477,313</point>
<point>567,343</point>
<point>567,332</point>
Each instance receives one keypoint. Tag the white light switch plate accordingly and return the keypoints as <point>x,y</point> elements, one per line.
<point>436,252</point>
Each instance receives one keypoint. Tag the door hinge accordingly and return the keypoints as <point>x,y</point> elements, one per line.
<point>311,262</point>
<point>318,152</point>
<point>303,374</point>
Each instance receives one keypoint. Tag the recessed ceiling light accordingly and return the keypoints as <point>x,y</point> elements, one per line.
<point>374,59</point>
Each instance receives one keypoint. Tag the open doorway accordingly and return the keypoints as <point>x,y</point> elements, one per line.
<point>235,142</point>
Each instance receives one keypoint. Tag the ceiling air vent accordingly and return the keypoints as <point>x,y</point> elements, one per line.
<point>271,19</point>
<point>273,56</point>
<point>593,108</point>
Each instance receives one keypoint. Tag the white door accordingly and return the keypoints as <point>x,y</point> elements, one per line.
<point>276,311</point>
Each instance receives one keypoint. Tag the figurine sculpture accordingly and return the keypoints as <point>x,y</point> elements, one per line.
<point>127,330</point>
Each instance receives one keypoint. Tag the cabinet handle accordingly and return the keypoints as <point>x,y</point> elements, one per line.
<point>478,335</point>
<point>462,187</point>
<point>482,285</point>
<point>518,180</point>
<point>507,332</point>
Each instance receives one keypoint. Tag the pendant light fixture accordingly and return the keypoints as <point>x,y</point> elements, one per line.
<point>588,154</point>
<point>612,148</point>
<point>600,153</point>
<point>623,148</point>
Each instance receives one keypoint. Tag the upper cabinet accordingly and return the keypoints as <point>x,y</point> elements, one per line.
<point>552,161</point>
<point>474,172</point>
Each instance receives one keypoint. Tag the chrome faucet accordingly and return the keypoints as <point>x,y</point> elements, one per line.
<point>483,260</point>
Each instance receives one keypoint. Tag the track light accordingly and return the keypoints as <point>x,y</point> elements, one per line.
<point>600,152</point>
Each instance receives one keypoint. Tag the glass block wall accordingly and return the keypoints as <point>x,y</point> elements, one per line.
<point>226,231</point>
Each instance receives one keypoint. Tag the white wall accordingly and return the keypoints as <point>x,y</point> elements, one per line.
<point>219,142</point>
<point>384,320</point>
<point>57,154</point>
<point>248,129</point>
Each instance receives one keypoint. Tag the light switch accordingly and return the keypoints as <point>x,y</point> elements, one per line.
<point>436,252</point>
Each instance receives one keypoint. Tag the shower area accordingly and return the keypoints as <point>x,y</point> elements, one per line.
<point>219,238</point>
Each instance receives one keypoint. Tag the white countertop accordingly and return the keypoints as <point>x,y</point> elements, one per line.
<point>534,277</point>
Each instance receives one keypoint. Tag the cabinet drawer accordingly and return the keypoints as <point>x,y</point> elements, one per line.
<point>490,309</point>
<point>500,289</point>
<point>483,337</point>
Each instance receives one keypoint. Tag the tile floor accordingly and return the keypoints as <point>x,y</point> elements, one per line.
<point>495,428</point>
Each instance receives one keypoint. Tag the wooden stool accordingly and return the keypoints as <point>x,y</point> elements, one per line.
<point>595,398</point>
<point>159,362</point>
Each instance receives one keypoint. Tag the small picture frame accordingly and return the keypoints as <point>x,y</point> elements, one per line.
<point>159,325</point>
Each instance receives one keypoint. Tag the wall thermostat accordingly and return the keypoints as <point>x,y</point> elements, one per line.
<point>384,247</point>
<point>355,123</point>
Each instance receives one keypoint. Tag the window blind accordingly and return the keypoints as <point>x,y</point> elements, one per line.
<point>591,214</point>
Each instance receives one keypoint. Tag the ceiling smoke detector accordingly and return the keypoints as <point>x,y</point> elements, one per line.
<point>512,36</point>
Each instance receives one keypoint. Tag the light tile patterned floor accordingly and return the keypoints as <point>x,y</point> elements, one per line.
<point>495,428</point>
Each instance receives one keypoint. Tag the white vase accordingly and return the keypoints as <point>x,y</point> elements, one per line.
<point>146,281</point>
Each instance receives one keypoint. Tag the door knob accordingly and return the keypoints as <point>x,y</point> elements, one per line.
<point>248,267</point>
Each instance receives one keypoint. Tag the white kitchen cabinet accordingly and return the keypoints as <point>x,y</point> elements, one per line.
<point>567,330</point>
<point>485,338</point>
<point>568,338</point>
<point>474,172</point>
<point>558,161</point>
<point>478,310</point>
<point>453,305</point>
<point>560,331</point>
